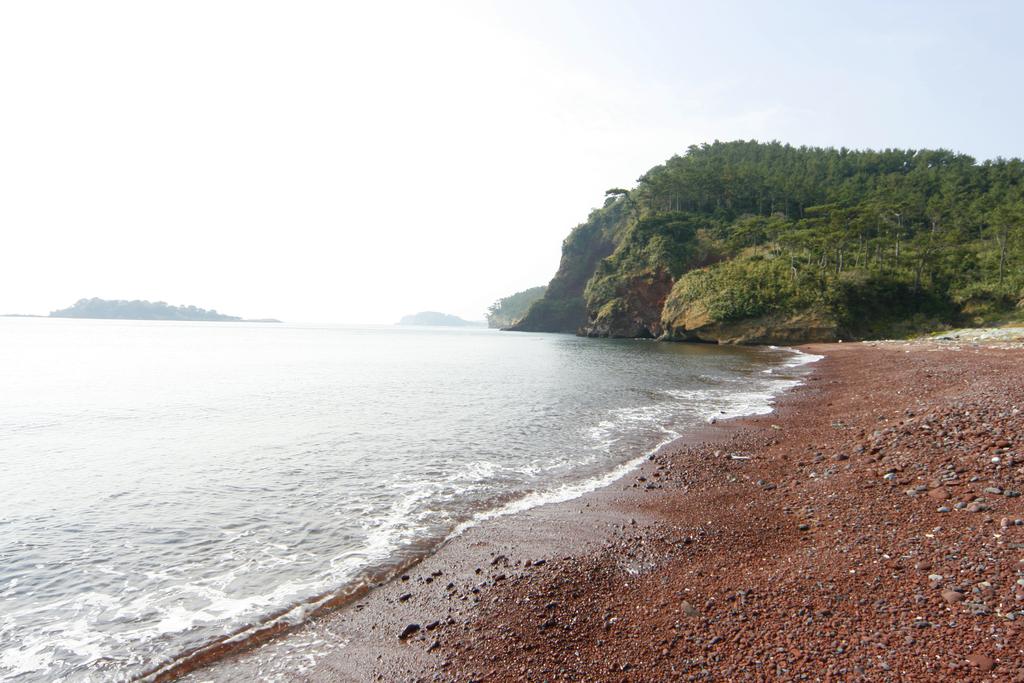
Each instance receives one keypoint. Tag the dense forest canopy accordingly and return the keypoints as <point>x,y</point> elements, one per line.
<point>876,241</point>
<point>138,310</point>
<point>509,310</point>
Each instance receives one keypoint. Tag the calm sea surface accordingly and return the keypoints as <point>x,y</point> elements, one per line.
<point>165,484</point>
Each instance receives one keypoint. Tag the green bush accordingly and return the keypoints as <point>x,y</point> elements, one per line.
<point>749,288</point>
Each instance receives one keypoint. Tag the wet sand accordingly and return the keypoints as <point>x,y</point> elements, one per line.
<point>867,530</point>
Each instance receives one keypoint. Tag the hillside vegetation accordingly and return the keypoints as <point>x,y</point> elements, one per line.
<point>508,311</point>
<point>763,242</point>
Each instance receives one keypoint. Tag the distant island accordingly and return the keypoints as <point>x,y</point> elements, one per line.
<point>117,309</point>
<point>438,319</point>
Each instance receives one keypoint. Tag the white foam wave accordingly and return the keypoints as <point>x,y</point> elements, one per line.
<point>558,494</point>
<point>709,403</point>
<point>798,357</point>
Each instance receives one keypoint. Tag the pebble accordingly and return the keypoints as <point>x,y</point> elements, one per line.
<point>409,630</point>
<point>982,662</point>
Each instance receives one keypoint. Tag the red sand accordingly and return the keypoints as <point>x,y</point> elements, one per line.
<point>804,545</point>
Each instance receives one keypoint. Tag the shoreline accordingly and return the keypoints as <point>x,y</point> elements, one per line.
<point>210,658</point>
<point>281,625</point>
<point>762,547</point>
<point>223,658</point>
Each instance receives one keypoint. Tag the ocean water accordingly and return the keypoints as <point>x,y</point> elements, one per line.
<point>164,484</point>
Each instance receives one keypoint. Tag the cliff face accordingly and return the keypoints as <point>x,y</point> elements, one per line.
<point>631,273</point>
<point>563,307</point>
<point>635,312</point>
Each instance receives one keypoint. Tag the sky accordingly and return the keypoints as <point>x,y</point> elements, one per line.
<point>355,162</point>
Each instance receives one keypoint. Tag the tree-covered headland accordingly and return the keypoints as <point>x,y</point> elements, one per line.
<point>508,311</point>
<point>764,242</point>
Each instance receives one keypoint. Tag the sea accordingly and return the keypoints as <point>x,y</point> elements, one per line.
<point>165,485</point>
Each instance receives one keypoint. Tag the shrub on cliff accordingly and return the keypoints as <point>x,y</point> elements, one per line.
<point>750,288</point>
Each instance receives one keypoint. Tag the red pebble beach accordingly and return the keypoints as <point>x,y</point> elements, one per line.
<point>870,528</point>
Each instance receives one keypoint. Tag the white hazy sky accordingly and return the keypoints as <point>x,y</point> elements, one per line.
<point>353,162</point>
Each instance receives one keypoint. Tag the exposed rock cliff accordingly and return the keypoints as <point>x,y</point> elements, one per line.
<point>635,312</point>
<point>563,308</point>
